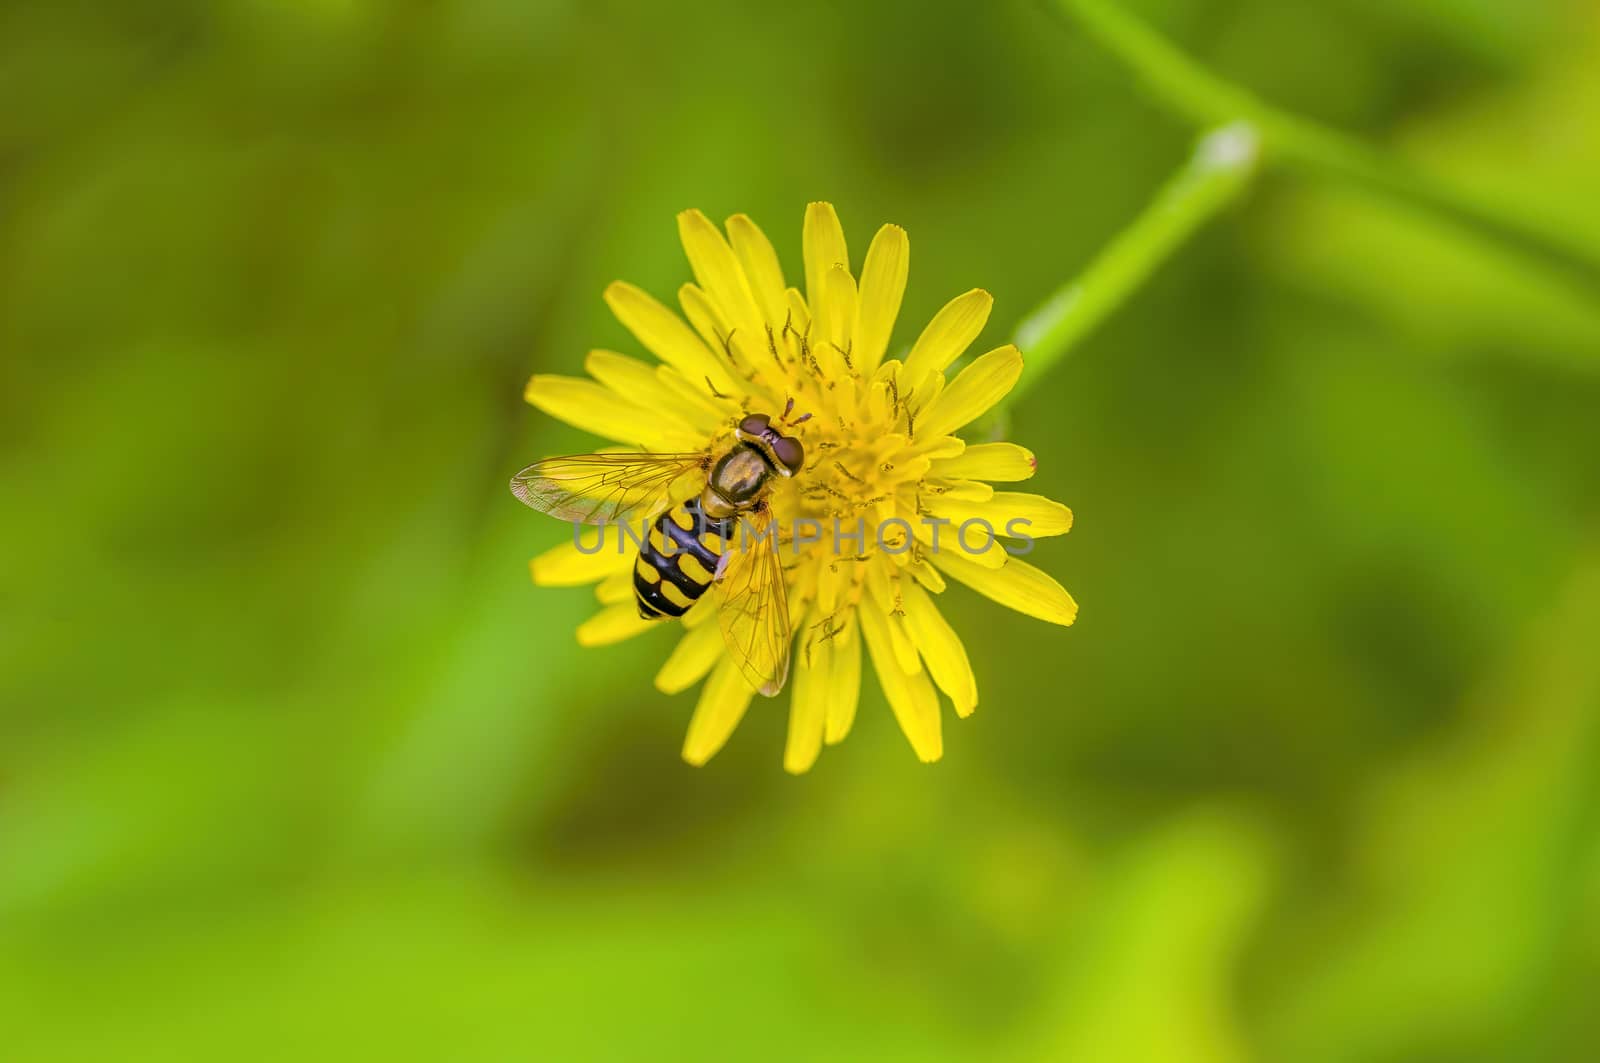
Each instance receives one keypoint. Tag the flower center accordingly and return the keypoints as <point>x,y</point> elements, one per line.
<point>849,486</point>
<point>861,467</point>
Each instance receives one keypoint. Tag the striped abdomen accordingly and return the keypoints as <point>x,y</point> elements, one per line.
<point>678,561</point>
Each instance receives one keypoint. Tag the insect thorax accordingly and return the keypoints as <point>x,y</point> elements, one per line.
<point>737,479</point>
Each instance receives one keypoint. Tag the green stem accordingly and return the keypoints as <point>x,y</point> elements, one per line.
<point>1205,99</point>
<point>1216,173</point>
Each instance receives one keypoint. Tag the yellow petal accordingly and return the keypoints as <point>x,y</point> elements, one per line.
<point>718,272</point>
<point>664,335</point>
<point>761,268</point>
<point>701,408</point>
<point>691,659</point>
<point>907,464</point>
<point>744,349</point>
<point>911,696</point>
<point>970,395</point>
<point>950,333</point>
<point>596,408</point>
<point>936,447</point>
<point>628,377</point>
<point>879,400</point>
<point>799,313</point>
<point>883,284</point>
<point>702,612</point>
<point>808,705</point>
<point>943,538</point>
<point>892,535</point>
<point>941,648</point>
<point>646,385</point>
<point>829,578</point>
<point>822,242</point>
<point>617,587</point>
<point>722,703</point>
<point>567,566</point>
<point>883,584</point>
<point>613,624</point>
<point>926,575</point>
<point>835,320</point>
<point>1036,517</point>
<point>988,461</point>
<point>1017,585</point>
<point>965,490</point>
<point>843,682</point>
<point>925,394</point>
<point>706,319</point>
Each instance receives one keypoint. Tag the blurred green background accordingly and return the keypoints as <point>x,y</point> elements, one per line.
<point>294,763</point>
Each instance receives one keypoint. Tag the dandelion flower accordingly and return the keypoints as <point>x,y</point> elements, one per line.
<point>887,481</point>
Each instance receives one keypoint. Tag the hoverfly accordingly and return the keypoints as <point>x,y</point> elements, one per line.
<point>694,505</point>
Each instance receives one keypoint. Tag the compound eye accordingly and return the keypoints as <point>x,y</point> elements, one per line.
<point>755,424</point>
<point>790,452</point>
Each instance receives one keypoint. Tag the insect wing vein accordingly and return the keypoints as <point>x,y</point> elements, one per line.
<point>755,608</point>
<point>607,488</point>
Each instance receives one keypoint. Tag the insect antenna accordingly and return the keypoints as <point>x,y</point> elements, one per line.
<point>788,408</point>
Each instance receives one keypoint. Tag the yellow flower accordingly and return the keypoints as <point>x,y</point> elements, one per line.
<point>884,470</point>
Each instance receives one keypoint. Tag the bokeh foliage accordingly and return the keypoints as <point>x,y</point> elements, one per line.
<point>294,763</point>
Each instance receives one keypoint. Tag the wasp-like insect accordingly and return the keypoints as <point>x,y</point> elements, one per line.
<point>709,524</point>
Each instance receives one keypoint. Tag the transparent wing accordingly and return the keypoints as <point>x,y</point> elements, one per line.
<point>609,488</point>
<point>755,607</point>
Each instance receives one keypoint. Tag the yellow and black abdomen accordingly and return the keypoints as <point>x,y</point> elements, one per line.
<point>678,561</point>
